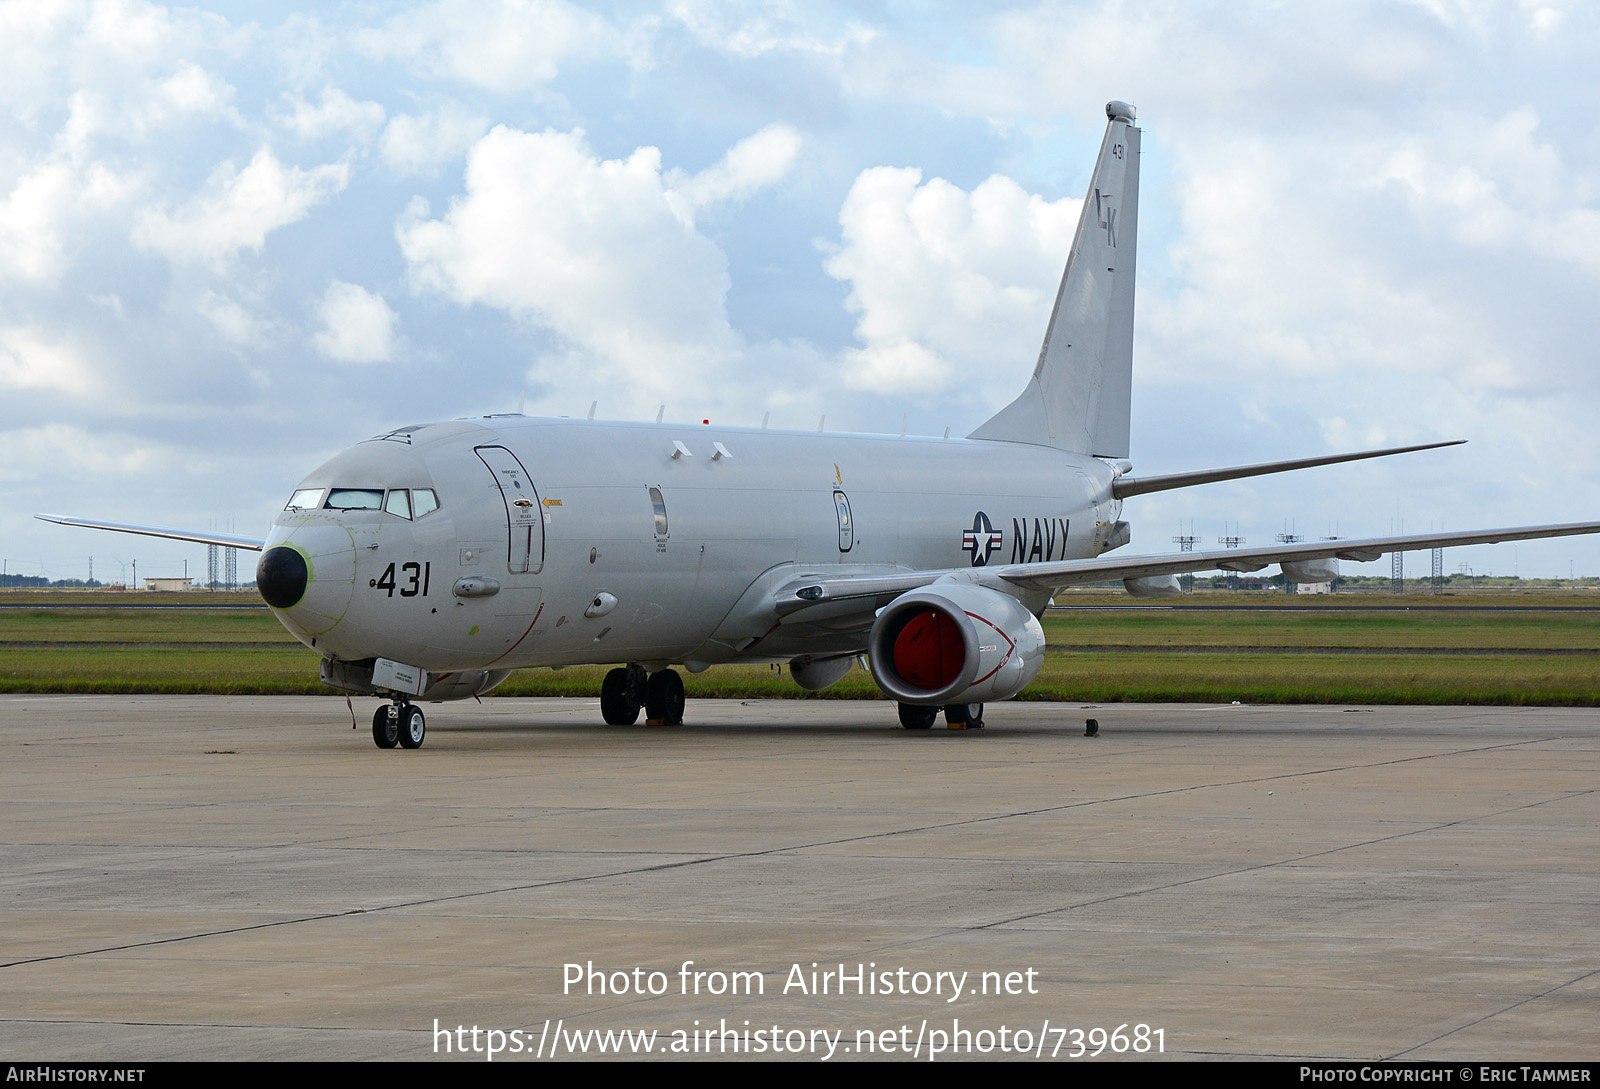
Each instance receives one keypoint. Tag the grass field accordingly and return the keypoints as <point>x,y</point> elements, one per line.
<point>1501,648</point>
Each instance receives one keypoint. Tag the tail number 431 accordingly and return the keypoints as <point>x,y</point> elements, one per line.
<point>412,581</point>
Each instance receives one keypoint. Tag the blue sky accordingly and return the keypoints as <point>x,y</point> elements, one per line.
<point>235,240</point>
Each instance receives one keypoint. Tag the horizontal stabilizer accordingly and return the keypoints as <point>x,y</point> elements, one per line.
<point>226,540</point>
<point>1123,487</point>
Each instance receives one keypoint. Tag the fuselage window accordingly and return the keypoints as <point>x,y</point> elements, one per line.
<point>398,503</point>
<point>660,506</point>
<point>424,501</point>
<point>355,499</point>
<point>305,499</point>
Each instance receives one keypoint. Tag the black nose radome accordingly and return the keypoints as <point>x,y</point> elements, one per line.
<point>281,577</point>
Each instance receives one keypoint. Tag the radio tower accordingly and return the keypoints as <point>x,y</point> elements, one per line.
<point>1186,543</point>
<point>1289,586</point>
<point>1232,541</point>
<point>1333,535</point>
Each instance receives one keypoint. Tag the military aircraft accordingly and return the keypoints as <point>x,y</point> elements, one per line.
<point>427,563</point>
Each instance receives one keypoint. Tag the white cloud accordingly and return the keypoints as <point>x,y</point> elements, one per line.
<point>753,30</point>
<point>504,45</point>
<point>61,451</point>
<point>416,143</point>
<point>130,111</point>
<point>336,114</point>
<point>32,217</point>
<point>1494,185</point>
<point>947,283</point>
<point>592,249</point>
<point>232,321</point>
<point>238,210</point>
<point>32,358</point>
<point>137,58</point>
<point>358,326</point>
<point>757,161</point>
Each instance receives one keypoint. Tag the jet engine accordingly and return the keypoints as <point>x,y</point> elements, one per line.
<point>1153,586</point>
<point>955,642</point>
<point>1321,570</point>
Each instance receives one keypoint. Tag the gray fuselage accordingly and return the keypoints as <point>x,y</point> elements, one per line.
<point>656,543</point>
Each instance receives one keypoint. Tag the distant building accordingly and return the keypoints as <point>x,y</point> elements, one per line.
<point>168,585</point>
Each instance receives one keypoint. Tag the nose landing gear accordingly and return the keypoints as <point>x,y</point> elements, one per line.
<point>401,724</point>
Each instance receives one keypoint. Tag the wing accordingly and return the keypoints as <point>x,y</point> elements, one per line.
<point>875,590</point>
<point>1056,576</point>
<point>227,540</point>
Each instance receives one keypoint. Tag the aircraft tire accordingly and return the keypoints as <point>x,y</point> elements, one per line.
<point>663,698</point>
<point>916,717</point>
<point>385,731</point>
<point>967,715</point>
<point>413,727</point>
<point>619,703</point>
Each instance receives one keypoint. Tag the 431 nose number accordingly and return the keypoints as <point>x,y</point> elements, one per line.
<point>412,582</point>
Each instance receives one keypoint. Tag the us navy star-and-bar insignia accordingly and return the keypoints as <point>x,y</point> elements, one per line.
<point>981,540</point>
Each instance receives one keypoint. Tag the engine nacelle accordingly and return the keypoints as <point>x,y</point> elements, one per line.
<point>1153,586</point>
<point>955,642</point>
<point>1324,570</point>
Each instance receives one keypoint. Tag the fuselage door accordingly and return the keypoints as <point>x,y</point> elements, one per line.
<point>524,516</point>
<point>847,527</point>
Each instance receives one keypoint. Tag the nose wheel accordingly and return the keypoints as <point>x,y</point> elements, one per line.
<point>399,724</point>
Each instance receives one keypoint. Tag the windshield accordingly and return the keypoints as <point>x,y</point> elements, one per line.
<point>355,499</point>
<point>305,499</point>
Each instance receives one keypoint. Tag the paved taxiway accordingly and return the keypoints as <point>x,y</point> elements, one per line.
<point>207,877</point>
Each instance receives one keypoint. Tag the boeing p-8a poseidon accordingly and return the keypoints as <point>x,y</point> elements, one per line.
<point>428,563</point>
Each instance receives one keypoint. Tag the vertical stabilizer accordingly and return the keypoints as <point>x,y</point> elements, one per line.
<point>1079,396</point>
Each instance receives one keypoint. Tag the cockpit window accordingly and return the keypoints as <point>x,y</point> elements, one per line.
<point>424,501</point>
<point>355,499</point>
<point>398,503</point>
<point>305,499</point>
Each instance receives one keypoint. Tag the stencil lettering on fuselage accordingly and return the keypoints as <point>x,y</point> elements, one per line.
<point>1038,539</point>
<point>1032,539</point>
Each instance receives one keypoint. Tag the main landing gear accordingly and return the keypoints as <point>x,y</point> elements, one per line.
<point>626,690</point>
<point>401,724</point>
<point>957,716</point>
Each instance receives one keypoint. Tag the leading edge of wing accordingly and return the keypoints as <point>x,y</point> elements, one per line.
<point>226,540</point>
<point>1055,576</point>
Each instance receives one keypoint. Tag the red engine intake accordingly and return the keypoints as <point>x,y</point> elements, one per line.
<point>955,642</point>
